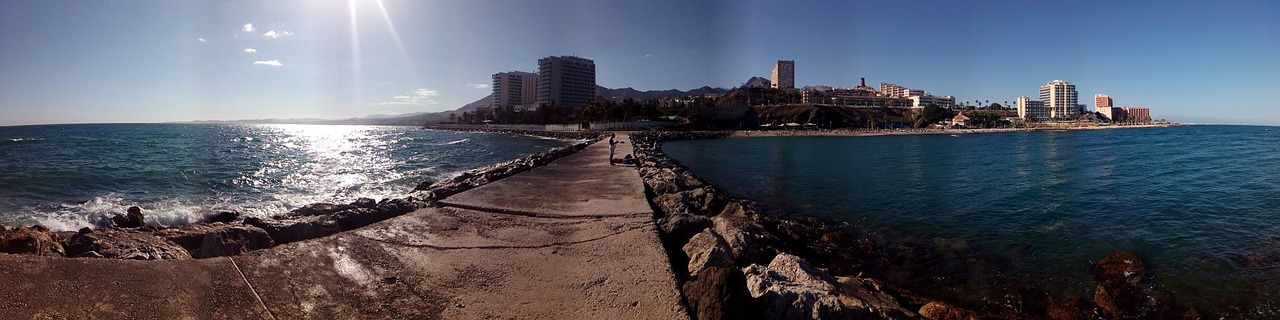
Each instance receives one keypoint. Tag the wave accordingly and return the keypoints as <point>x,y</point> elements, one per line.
<point>455,142</point>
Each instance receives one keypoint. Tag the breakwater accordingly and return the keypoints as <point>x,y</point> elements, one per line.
<point>230,233</point>
<point>691,211</point>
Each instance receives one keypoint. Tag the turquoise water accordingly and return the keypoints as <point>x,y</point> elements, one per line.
<point>71,176</point>
<point>1017,216</point>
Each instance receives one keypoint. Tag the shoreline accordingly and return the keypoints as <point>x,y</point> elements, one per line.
<point>914,131</point>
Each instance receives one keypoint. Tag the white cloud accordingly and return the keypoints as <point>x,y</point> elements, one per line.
<point>648,55</point>
<point>478,86</point>
<point>272,34</point>
<point>200,39</point>
<point>272,62</point>
<point>250,50</point>
<point>418,97</point>
<point>248,27</point>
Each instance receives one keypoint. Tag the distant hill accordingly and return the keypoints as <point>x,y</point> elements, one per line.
<point>624,93</point>
<point>757,82</point>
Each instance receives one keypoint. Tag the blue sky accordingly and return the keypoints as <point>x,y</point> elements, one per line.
<point>152,61</point>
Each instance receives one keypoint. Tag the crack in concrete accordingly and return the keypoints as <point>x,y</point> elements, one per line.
<point>251,289</point>
<point>539,246</point>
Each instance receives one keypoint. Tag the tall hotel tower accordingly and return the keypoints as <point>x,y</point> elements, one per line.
<point>784,75</point>
<point>1061,99</point>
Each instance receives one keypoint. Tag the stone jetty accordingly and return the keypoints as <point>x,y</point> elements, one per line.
<point>574,238</point>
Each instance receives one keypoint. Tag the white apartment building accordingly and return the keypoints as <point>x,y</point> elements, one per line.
<point>919,101</point>
<point>514,88</point>
<point>1061,99</point>
<point>784,75</point>
<point>1031,110</point>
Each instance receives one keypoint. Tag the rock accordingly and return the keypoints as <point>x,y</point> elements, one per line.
<point>225,216</point>
<point>132,219</point>
<point>1070,309</point>
<point>1118,300</point>
<point>935,310</point>
<point>1119,266</point>
<point>1252,260</point>
<point>365,203</point>
<point>352,219</point>
<point>125,244</point>
<point>672,204</point>
<point>865,298</point>
<point>706,249</point>
<point>297,229</point>
<point>744,237</point>
<point>661,181</point>
<point>90,254</point>
<point>316,209</point>
<point>34,240</point>
<point>680,228</point>
<point>719,293</point>
<point>232,240</point>
<point>791,289</point>
<point>218,239</point>
<point>396,207</point>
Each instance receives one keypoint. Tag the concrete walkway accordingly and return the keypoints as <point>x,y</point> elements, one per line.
<point>572,240</point>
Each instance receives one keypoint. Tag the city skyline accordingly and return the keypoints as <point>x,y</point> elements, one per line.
<point>179,61</point>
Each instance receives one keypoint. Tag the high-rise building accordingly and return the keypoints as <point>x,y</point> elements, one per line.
<point>784,75</point>
<point>1060,98</point>
<point>566,81</point>
<point>514,88</point>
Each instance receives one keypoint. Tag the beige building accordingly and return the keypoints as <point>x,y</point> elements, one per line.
<point>1031,110</point>
<point>514,88</point>
<point>566,81</point>
<point>1061,99</point>
<point>784,75</point>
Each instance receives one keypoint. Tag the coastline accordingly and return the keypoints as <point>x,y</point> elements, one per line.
<point>894,132</point>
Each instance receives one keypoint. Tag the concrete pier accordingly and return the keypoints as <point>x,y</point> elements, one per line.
<point>571,240</point>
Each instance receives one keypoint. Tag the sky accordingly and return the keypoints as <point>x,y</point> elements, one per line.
<point>159,61</point>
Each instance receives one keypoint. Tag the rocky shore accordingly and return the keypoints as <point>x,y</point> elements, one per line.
<point>229,233</point>
<point>733,261</point>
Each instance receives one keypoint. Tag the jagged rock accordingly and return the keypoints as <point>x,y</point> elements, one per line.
<point>719,293</point>
<point>1119,300</point>
<point>660,181</point>
<point>365,203</point>
<point>133,219</point>
<point>706,249</point>
<point>866,299</point>
<point>233,240</point>
<point>218,239</point>
<point>90,254</point>
<point>291,230</point>
<point>744,237</point>
<point>225,216</point>
<point>34,240</point>
<point>316,209</point>
<point>936,310</point>
<point>789,288</point>
<point>672,204</point>
<point>126,244</point>
<point>352,219</point>
<point>396,207</point>
<point>680,228</point>
<point>1070,309</point>
<point>1119,266</point>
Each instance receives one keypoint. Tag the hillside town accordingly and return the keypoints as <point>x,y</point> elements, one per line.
<point>563,91</point>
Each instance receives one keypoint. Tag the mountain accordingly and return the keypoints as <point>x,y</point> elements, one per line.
<point>628,92</point>
<point>757,82</point>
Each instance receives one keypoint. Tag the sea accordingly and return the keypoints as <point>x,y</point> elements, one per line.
<point>67,177</point>
<point>1006,220</point>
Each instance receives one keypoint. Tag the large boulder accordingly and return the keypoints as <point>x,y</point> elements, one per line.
<point>132,219</point>
<point>865,298</point>
<point>34,240</point>
<point>316,209</point>
<point>1070,309</point>
<point>681,227</point>
<point>284,231</point>
<point>124,244</point>
<point>1119,300</point>
<point>745,238</point>
<point>935,310</point>
<point>1119,266</point>
<point>218,239</point>
<point>705,250</point>
<point>789,288</point>
<point>719,293</point>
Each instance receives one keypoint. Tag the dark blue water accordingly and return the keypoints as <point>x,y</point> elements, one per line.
<point>1193,202</point>
<point>71,176</point>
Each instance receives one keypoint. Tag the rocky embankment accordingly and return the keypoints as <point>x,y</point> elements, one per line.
<point>229,233</point>
<point>734,262</point>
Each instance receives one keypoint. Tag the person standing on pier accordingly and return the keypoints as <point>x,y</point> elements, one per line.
<point>612,145</point>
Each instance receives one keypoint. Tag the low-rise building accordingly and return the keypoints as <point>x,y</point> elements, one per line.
<point>1032,110</point>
